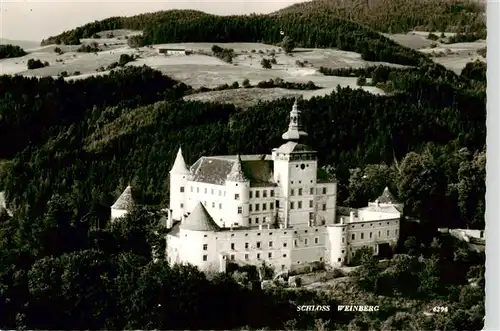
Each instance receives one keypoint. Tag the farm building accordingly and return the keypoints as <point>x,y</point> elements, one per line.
<point>172,51</point>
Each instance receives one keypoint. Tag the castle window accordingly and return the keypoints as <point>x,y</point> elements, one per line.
<point>206,190</point>
<point>250,193</point>
<point>236,196</point>
<point>182,205</point>
<point>305,241</point>
<point>284,255</point>
<point>311,191</point>
<point>264,206</point>
<point>316,240</point>
<point>291,205</point>
<point>339,259</point>
<point>232,246</point>
<point>246,245</point>
<point>292,192</point>
<point>298,262</point>
<point>388,223</point>
<point>282,267</point>
<point>396,232</point>
<point>197,190</point>
<point>387,233</point>
<point>257,194</point>
<point>250,207</point>
<point>257,207</point>
<point>291,182</point>
<point>299,204</point>
<point>311,203</point>
<point>258,244</point>
<point>240,210</point>
<point>277,204</point>
<point>191,189</point>
<point>256,220</point>
<point>212,191</point>
<point>264,194</point>
<point>220,192</point>
<point>379,234</point>
<point>205,257</point>
<point>284,244</point>
<point>343,251</point>
<point>342,240</point>
<point>270,244</point>
<point>258,256</point>
<point>371,234</point>
<point>300,191</point>
<point>311,216</point>
<point>324,190</point>
<point>232,257</point>
<point>295,243</point>
<point>353,236</point>
<point>213,204</point>
<point>205,247</point>
<point>271,206</point>
<point>182,189</point>
<point>270,255</point>
<point>324,206</point>
<point>271,193</point>
<point>362,235</point>
<point>220,205</point>
<point>250,220</point>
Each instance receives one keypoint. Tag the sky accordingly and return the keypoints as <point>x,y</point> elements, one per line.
<point>35,20</point>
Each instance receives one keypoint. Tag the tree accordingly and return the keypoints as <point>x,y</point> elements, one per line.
<point>266,64</point>
<point>34,64</point>
<point>287,44</point>
<point>361,81</point>
<point>368,271</point>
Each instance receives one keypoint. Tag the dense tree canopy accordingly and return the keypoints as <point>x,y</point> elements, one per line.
<point>9,51</point>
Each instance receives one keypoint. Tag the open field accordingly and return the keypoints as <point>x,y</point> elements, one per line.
<point>202,69</point>
<point>452,56</point>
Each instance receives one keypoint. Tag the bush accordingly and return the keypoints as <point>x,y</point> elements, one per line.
<point>58,50</point>
<point>110,35</point>
<point>35,64</point>
<point>273,61</point>
<point>235,85</point>
<point>266,64</point>
<point>124,59</point>
<point>361,81</point>
<point>246,83</point>
<point>91,48</point>
<point>432,37</point>
<point>136,41</point>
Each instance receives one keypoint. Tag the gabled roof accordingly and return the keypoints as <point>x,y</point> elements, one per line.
<point>258,169</point>
<point>126,200</point>
<point>387,197</point>
<point>199,220</point>
<point>292,146</point>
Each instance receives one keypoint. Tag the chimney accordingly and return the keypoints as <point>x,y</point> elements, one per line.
<point>351,217</point>
<point>170,221</point>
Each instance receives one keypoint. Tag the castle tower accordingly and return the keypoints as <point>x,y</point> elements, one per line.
<point>124,204</point>
<point>179,176</point>
<point>295,170</point>
<point>237,187</point>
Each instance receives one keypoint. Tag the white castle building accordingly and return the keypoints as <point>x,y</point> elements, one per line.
<point>279,209</point>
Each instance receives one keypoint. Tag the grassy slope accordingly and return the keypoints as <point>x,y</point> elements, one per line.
<point>395,16</point>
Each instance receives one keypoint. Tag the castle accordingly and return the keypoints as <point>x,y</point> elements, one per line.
<point>279,209</point>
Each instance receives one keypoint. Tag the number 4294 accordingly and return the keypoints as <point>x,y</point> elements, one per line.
<point>440,309</point>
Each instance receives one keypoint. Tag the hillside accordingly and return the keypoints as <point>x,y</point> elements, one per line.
<point>396,16</point>
<point>310,30</point>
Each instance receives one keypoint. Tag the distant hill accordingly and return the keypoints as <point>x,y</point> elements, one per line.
<point>394,16</point>
<point>24,44</point>
<point>310,30</point>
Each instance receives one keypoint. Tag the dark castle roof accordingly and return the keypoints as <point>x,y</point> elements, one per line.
<point>126,200</point>
<point>258,169</point>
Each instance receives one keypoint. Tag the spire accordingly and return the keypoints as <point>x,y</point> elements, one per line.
<point>179,166</point>
<point>295,129</point>
<point>387,197</point>
<point>236,174</point>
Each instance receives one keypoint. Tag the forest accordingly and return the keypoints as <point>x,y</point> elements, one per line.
<point>402,16</point>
